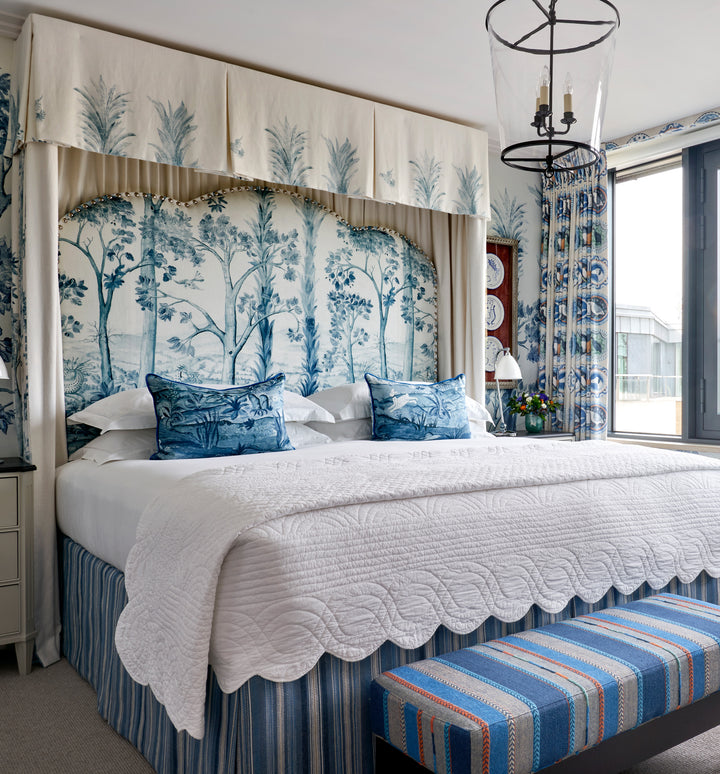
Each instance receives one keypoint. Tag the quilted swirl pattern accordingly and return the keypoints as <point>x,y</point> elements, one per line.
<point>347,550</point>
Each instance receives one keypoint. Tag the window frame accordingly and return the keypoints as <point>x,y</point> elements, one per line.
<point>702,253</point>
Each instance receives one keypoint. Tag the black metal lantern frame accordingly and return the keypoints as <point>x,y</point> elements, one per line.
<point>553,149</point>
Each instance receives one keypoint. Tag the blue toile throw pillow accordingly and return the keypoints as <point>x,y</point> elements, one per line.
<point>416,411</point>
<point>195,421</point>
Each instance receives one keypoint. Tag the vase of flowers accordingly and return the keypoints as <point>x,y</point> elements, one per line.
<point>535,407</point>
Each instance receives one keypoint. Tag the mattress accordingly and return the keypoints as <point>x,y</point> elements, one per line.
<point>99,506</point>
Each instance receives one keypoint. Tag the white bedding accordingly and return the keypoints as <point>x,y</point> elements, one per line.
<point>99,506</point>
<point>330,559</point>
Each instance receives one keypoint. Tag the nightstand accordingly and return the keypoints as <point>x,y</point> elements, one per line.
<point>547,436</point>
<point>550,436</point>
<point>16,566</point>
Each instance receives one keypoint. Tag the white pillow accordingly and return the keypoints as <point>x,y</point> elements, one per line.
<point>118,445</point>
<point>476,411</point>
<point>134,410</point>
<point>352,401</point>
<point>479,429</point>
<point>141,444</point>
<point>345,429</point>
<point>347,401</point>
<point>299,409</point>
<point>301,435</point>
<point>126,410</point>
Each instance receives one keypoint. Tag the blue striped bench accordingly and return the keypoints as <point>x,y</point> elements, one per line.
<point>524,702</point>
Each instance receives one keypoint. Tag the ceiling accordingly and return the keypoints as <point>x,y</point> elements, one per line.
<point>431,56</point>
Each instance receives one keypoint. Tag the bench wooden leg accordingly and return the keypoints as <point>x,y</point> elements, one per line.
<point>625,750</point>
<point>389,760</point>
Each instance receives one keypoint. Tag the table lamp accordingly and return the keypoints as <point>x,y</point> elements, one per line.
<point>506,367</point>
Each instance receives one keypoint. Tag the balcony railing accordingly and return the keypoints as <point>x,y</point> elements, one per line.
<point>647,386</point>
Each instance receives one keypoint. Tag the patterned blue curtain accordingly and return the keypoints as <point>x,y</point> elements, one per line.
<point>574,307</point>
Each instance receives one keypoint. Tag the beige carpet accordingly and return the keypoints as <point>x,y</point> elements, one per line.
<point>49,725</point>
<point>700,755</point>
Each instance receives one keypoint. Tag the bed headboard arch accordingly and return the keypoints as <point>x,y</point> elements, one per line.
<point>234,286</point>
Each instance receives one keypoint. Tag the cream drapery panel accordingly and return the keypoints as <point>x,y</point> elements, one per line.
<point>80,87</point>
<point>51,181</point>
<point>37,361</point>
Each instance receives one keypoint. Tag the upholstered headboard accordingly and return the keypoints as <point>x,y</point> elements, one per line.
<point>233,287</point>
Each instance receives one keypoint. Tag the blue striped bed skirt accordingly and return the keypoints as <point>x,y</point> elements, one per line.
<point>319,724</point>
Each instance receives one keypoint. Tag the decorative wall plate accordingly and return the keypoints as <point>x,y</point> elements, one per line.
<point>495,313</point>
<point>495,271</point>
<point>493,347</point>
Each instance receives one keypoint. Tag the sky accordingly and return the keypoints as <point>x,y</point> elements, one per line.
<point>648,229</point>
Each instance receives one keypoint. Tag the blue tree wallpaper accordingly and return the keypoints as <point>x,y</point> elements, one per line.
<point>516,199</point>
<point>8,263</point>
<point>234,288</point>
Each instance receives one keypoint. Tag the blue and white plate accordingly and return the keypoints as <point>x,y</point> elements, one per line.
<point>495,271</point>
<point>493,347</point>
<point>495,313</point>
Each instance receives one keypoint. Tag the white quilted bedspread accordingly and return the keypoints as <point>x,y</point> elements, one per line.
<point>343,551</point>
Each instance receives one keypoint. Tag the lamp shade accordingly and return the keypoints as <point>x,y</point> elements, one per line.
<point>551,66</point>
<point>506,367</point>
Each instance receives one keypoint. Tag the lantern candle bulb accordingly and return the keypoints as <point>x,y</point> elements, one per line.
<point>545,86</point>
<point>567,96</point>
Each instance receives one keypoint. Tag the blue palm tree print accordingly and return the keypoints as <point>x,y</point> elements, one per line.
<point>176,130</point>
<point>342,165</point>
<point>470,185</point>
<point>509,218</point>
<point>287,148</point>
<point>426,182</point>
<point>103,112</point>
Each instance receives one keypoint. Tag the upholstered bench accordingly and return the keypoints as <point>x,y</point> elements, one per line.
<point>523,702</point>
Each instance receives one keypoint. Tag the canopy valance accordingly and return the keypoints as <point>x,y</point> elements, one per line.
<point>84,88</point>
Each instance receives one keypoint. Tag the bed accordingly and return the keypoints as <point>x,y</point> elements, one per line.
<point>363,554</point>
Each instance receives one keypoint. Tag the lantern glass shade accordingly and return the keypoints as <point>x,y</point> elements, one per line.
<point>565,65</point>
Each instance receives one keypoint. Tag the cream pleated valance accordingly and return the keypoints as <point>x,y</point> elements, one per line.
<point>84,88</point>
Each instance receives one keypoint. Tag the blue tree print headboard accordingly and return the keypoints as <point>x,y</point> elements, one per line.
<point>233,287</point>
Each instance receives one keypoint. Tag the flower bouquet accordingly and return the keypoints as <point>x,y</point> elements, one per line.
<point>535,407</point>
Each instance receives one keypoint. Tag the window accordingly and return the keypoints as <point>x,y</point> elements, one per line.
<point>648,281</point>
<point>666,274</point>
